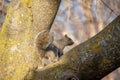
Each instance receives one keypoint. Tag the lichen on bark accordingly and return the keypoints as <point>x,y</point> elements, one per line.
<point>17,53</point>
<point>93,59</point>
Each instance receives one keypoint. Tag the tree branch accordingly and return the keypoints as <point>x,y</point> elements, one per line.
<point>90,60</point>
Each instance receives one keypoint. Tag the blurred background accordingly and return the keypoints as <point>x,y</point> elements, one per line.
<point>80,20</point>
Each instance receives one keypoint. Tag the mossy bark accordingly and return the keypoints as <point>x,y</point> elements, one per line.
<point>91,60</point>
<point>24,20</point>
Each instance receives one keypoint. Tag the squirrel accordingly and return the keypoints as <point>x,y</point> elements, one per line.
<point>57,46</point>
<point>55,49</point>
<point>50,49</point>
<point>42,39</point>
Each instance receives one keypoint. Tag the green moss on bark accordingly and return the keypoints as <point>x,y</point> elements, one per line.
<point>17,52</point>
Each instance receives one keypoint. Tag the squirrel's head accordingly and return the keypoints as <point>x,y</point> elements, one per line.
<point>68,40</point>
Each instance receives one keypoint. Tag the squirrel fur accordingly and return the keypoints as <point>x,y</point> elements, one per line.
<point>50,50</point>
<point>55,49</point>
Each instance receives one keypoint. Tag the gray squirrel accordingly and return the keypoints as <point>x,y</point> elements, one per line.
<point>57,46</point>
<point>54,50</point>
<point>49,48</point>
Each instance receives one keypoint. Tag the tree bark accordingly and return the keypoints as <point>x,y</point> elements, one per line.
<point>24,20</point>
<point>91,60</point>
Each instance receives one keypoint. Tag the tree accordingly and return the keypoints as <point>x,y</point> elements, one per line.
<point>92,59</point>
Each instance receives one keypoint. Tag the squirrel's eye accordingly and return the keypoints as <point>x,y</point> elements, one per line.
<point>46,57</point>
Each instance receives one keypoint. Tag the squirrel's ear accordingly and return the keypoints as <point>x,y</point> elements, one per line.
<point>66,36</point>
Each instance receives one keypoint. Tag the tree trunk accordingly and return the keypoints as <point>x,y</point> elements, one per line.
<point>24,20</point>
<point>90,60</point>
